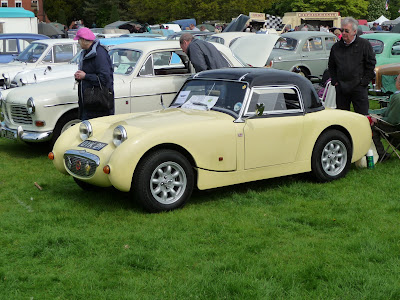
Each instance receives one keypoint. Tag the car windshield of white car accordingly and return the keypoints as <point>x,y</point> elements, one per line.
<point>124,60</point>
<point>219,95</point>
<point>32,53</point>
<point>286,43</point>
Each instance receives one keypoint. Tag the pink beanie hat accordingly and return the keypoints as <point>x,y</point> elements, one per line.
<point>85,33</point>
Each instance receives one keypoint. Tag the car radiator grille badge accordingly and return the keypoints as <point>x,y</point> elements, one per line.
<point>80,166</point>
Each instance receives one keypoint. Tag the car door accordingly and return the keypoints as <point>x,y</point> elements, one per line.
<point>314,56</point>
<point>273,131</point>
<point>162,73</point>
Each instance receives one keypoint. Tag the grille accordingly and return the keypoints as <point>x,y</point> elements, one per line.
<point>19,114</point>
<point>80,166</point>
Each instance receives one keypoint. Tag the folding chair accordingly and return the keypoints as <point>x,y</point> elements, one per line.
<point>391,133</point>
<point>329,96</point>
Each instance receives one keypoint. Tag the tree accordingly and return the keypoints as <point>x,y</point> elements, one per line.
<point>376,9</point>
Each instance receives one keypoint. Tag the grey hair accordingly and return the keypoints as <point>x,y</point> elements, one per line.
<point>186,37</point>
<point>352,21</point>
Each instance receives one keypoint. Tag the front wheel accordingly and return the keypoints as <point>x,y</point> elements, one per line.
<point>331,158</point>
<point>163,181</point>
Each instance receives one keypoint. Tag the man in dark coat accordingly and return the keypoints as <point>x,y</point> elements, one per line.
<point>95,69</point>
<point>351,66</point>
<point>203,55</point>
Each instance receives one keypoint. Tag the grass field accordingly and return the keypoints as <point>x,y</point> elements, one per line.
<point>285,238</point>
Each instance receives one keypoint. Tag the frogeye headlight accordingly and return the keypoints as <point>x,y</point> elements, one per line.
<point>85,130</point>
<point>119,135</point>
<point>30,106</point>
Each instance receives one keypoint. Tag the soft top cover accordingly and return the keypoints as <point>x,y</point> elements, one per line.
<point>268,77</point>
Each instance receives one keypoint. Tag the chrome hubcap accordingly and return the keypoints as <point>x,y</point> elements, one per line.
<point>334,157</point>
<point>168,182</point>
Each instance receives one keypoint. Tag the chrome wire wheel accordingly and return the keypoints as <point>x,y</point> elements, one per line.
<point>168,182</point>
<point>334,157</point>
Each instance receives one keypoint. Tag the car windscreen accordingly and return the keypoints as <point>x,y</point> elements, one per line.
<point>124,60</point>
<point>32,53</point>
<point>286,43</point>
<point>377,45</point>
<point>219,95</point>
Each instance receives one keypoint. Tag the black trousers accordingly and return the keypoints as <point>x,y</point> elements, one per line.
<point>358,96</point>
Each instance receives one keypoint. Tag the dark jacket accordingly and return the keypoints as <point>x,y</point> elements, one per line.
<point>96,63</point>
<point>204,56</point>
<point>353,65</point>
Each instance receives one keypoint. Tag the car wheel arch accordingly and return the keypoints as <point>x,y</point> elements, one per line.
<point>339,128</point>
<point>170,146</point>
<point>68,115</point>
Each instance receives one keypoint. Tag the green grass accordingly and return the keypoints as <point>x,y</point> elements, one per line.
<point>285,238</point>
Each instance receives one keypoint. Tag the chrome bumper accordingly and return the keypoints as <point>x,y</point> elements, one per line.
<point>26,136</point>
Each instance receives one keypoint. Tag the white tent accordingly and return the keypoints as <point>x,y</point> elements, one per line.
<point>380,20</point>
<point>392,22</point>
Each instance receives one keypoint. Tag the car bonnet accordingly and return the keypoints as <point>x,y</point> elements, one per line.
<point>254,49</point>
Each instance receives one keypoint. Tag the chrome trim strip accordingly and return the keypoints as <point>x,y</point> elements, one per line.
<point>157,94</point>
<point>60,104</point>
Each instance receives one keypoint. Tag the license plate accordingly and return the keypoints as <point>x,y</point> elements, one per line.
<point>8,134</point>
<point>92,145</point>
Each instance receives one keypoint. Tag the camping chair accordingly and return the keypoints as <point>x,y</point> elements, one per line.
<point>329,96</point>
<point>391,133</point>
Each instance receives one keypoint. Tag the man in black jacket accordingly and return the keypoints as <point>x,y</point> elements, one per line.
<point>203,55</point>
<point>351,65</point>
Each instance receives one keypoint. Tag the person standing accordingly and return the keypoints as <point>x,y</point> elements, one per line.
<point>94,70</point>
<point>193,27</point>
<point>203,55</point>
<point>351,66</point>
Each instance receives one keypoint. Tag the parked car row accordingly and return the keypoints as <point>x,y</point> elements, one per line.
<point>174,130</point>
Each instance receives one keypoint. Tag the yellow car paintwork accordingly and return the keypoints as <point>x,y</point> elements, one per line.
<point>223,152</point>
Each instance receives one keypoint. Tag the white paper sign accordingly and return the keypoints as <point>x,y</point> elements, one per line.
<point>201,102</point>
<point>182,97</point>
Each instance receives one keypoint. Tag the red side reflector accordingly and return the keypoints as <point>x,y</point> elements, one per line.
<point>40,123</point>
<point>220,158</point>
<point>106,169</point>
<point>50,155</point>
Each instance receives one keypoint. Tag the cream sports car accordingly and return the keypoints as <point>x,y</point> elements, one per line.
<point>224,127</point>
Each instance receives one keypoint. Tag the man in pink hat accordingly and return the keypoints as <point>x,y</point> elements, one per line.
<point>95,70</point>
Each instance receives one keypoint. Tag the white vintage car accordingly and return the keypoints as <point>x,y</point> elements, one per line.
<point>46,73</point>
<point>39,54</point>
<point>147,75</point>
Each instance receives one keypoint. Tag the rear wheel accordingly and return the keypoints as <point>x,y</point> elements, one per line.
<point>163,181</point>
<point>331,158</point>
<point>304,72</point>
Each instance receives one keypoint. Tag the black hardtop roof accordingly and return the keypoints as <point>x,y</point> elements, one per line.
<point>267,77</point>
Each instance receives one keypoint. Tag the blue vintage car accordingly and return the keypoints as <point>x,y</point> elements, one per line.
<point>11,44</point>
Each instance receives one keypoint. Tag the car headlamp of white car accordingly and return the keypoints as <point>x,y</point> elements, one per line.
<point>6,77</point>
<point>30,106</point>
<point>23,81</point>
<point>85,130</point>
<point>119,135</point>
